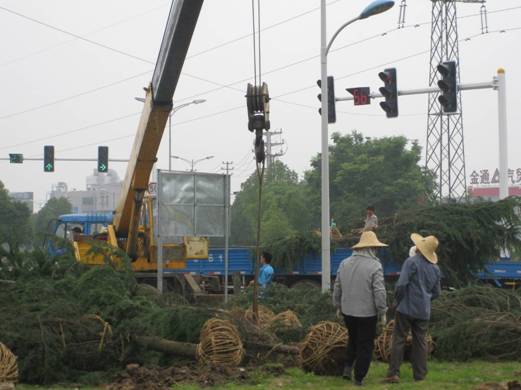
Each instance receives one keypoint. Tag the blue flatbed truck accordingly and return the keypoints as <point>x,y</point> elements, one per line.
<point>210,271</point>
<point>305,271</point>
<point>504,273</point>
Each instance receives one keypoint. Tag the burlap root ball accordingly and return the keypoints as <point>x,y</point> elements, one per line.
<point>8,365</point>
<point>323,350</point>
<point>286,320</point>
<point>220,344</point>
<point>265,316</point>
<point>383,343</point>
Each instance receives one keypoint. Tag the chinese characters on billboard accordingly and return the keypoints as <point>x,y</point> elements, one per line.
<point>485,177</point>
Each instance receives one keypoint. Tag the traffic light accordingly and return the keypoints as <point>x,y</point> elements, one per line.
<point>389,92</point>
<point>449,86</point>
<point>16,158</point>
<point>48,158</point>
<point>331,102</point>
<point>103,158</point>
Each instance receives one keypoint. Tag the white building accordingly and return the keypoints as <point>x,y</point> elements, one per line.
<point>102,193</point>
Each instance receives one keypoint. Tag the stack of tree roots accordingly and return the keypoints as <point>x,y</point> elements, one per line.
<point>63,321</point>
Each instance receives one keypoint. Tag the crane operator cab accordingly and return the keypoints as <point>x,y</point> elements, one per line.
<point>84,233</point>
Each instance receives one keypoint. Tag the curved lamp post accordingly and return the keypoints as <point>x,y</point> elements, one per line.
<point>192,162</point>
<point>374,8</point>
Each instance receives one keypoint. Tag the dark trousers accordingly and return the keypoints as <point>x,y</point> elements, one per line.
<point>360,344</point>
<point>402,324</point>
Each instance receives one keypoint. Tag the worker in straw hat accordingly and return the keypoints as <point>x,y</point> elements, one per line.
<point>360,298</point>
<point>418,285</point>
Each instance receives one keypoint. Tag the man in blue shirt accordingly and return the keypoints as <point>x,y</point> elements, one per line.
<point>266,270</point>
<point>418,285</point>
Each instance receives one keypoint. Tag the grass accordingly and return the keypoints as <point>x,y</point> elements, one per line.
<point>442,375</point>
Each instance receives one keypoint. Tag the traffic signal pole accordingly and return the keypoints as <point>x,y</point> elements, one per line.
<point>423,91</point>
<point>67,159</point>
<point>498,83</point>
<point>503,138</point>
<point>324,225</point>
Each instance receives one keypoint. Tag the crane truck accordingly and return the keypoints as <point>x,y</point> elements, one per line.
<point>131,226</point>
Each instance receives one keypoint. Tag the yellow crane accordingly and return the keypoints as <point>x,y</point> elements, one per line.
<point>132,225</point>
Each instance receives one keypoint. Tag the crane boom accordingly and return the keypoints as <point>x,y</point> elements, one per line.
<point>158,104</point>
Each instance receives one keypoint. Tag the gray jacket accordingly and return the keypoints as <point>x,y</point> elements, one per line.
<point>418,285</point>
<point>359,287</point>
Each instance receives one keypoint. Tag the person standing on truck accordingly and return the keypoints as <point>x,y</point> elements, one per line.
<point>371,220</point>
<point>418,285</point>
<point>360,298</point>
<point>266,270</point>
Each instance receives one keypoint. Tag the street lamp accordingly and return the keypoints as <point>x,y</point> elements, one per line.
<point>174,110</point>
<point>192,162</point>
<point>376,7</point>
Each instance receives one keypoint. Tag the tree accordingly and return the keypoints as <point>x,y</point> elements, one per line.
<point>381,172</point>
<point>52,210</point>
<point>470,234</point>
<point>283,202</point>
<point>14,224</point>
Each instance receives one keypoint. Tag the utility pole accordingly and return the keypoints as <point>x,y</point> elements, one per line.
<point>227,168</point>
<point>270,155</point>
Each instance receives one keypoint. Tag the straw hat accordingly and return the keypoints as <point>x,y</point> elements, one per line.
<point>369,240</point>
<point>427,246</point>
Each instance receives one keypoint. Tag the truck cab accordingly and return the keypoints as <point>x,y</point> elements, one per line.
<point>69,229</point>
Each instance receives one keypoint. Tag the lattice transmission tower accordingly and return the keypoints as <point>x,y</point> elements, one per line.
<point>445,151</point>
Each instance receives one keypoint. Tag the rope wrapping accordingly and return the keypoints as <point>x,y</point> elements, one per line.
<point>8,365</point>
<point>323,350</point>
<point>220,344</point>
<point>384,342</point>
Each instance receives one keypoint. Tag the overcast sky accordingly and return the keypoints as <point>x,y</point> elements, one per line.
<point>48,77</point>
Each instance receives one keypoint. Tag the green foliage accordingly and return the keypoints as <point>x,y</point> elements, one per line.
<point>309,303</point>
<point>290,249</point>
<point>14,224</point>
<point>51,210</point>
<point>363,171</point>
<point>477,322</point>
<point>383,172</point>
<point>469,234</point>
<point>54,311</point>
<point>283,200</point>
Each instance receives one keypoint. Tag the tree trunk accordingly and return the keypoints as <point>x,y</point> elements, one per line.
<point>188,349</point>
<point>167,346</point>
<point>279,348</point>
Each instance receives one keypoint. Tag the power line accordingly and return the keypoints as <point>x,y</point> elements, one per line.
<point>230,85</point>
<point>73,96</point>
<point>219,86</point>
<point>76,36</point>
<point>241,106</point>
<point>71,131</point>
<point>106,27</point>
<point>81,38</point>
<point>269,27</point>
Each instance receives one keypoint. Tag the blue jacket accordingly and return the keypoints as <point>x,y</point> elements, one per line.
<point>265,275</point>
<point>418,285</point>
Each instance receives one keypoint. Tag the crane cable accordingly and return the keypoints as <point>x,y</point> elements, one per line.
<point>256,104</point>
